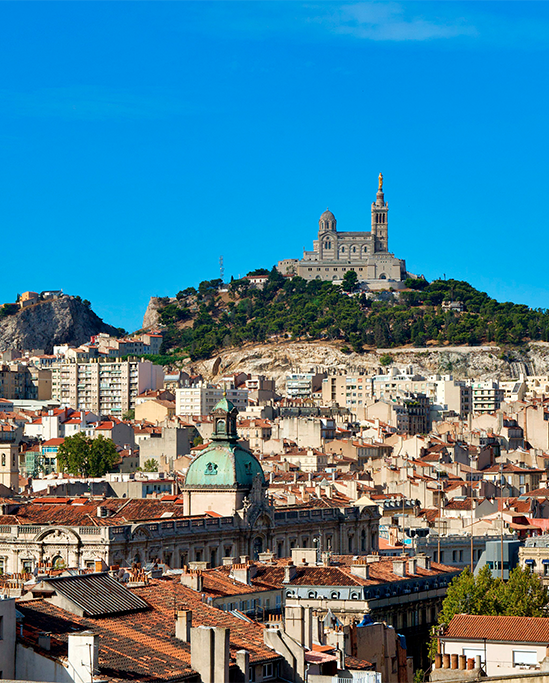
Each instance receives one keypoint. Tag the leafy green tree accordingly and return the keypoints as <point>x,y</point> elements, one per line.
<point>525,595</point>
<point>8,309</point>
<point>129,414</point>
<point>150,465</point>
<point>386,359</point>
<point>87,457</point>
<point>350,281</point>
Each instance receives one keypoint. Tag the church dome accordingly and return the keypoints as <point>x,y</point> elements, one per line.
<point>224,465</point>
<point>327,221</point>
<point>327,216</point>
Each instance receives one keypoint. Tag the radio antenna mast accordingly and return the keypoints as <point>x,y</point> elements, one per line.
<point>221,268</point>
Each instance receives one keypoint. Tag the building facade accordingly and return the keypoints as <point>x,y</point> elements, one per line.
<point>366,252</point>
<point>104,387</point>
<point>201,399</point>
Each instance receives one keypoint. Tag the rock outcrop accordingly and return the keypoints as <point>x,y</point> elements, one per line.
<point>151,317</point>
<point>60,321</point>
<point>277,360</point>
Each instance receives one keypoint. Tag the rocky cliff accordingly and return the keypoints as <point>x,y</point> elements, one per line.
<point>277,360</point>
<point>61,321</point>
<point>151,317</point>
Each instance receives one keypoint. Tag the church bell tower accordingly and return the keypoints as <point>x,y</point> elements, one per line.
<point>380,209</point>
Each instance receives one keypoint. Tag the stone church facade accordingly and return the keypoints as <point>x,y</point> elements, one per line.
<point>366,252</point>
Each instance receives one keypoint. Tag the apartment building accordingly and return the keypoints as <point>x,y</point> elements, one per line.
<point>303,384</point>
<point>18,381</point>
<point>356,391</point>
<point>201,399</point>
<point>487,396</point>
<point>104,386</point>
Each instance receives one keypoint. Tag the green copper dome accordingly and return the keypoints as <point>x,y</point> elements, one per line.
<point>225,463</point>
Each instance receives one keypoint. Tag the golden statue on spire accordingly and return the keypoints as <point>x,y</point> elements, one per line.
<point>380,182</point>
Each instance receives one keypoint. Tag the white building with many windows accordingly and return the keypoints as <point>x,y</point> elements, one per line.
<point>202,398</point>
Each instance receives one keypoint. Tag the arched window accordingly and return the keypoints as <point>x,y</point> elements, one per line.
<point>354,250</point>
<point>342,250</point>
<point>311,594</point>
<point>334,595</point>
<point>365,249</point>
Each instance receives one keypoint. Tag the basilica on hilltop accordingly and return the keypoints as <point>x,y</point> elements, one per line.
<point>366,252</point>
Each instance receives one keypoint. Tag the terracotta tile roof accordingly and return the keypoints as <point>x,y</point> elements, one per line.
<point>501,628</point>
<point>142,646</point>
<point>64,511</point>
<point>459,505</point>
<point>53,442</point>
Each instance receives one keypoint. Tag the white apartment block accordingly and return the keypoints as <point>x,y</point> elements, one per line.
<point>303,384</point>
<point>357,391</point>
<point>104,387</point>
<point>201,399</point>
<point>486,396</point>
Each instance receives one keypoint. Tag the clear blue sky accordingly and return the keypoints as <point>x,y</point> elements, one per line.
<point>142,140</point>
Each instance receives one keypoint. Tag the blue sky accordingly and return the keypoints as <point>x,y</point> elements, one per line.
<point>142,140</point>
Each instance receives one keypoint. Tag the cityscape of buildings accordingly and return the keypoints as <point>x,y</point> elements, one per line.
<point>258,528</point>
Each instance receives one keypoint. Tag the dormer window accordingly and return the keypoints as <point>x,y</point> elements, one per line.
<point>211,468</point>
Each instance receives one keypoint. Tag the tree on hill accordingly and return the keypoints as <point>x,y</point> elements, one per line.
<point>295,308</point>
<point>81,455</point>
<point>350,281</point>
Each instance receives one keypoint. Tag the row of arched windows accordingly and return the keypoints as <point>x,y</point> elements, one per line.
<point>352,250</point>
<point>381,218</point>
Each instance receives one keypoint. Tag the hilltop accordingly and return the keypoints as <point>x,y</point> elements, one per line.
<point>199,324</point>
<point>64,320</point>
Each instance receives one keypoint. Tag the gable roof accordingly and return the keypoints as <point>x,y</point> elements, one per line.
<point>500,628</point>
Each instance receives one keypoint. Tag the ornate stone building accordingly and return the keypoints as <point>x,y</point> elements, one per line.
<point>223,512</point>
<point>334,253</point>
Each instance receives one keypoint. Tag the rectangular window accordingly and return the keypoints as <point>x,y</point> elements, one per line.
<point>268,671</point>
<point>525,658</point>
<point>471,653</point>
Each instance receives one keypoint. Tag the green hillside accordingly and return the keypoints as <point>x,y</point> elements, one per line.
<point>203,321</point>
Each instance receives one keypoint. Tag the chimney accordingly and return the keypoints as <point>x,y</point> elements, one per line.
<point>244,559</point>
<point>266,557</point>
<point>192,579</point>
<point>202,652</point>
<point>326,559</point>
<point>289,572</point>
<point>412,562</point>
<point>240,573</point>
<point>423,561</point>
<point>83,656</point>
<point>183,624</point>
<point>304,556</point>
<point>399,567</point>
<point>361,568</point>
<point>243,664</point>
<point>221,655</point>
<point>228,561</point>
<point>44,640</point>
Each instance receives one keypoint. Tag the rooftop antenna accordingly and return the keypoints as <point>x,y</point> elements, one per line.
<point>221,268</point>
